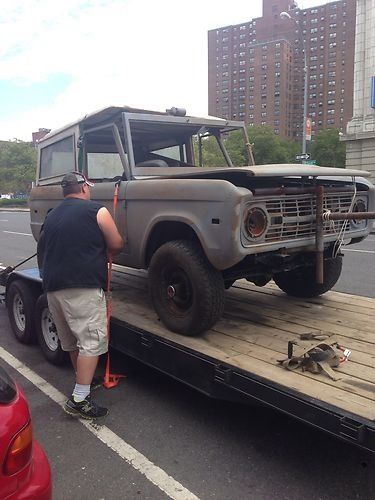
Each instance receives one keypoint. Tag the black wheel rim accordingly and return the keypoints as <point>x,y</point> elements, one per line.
<point>176,289</point>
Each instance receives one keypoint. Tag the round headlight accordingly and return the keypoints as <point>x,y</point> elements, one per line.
<point>256,222</point>
<point>359,206</point>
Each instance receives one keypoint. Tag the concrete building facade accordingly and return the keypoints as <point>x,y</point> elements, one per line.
<point>256,69</point>
<point>360,132</point>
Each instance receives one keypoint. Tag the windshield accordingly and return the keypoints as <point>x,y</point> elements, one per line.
<point>171,144</point>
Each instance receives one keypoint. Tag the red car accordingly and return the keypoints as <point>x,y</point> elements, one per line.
<point>24,468</point>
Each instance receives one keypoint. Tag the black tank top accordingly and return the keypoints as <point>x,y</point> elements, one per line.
<point>75,251</point>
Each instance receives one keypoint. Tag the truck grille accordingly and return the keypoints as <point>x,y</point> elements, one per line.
<point>294,217</point>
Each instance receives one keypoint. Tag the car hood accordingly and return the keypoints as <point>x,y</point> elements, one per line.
<point>275,170</point>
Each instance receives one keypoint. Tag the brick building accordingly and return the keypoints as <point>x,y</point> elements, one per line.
<point>256,69</point>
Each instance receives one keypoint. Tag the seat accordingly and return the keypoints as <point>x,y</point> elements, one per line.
<point>152,163</point>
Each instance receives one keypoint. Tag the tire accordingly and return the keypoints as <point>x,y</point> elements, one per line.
<point>47,334</point>
<point>187,292</point>
<point>301,282</point>
<point>21,298</point>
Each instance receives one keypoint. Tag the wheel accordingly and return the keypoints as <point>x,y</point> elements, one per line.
<point>187,292</point>
<point>21,298</point>
<point>47,334</point>
<point>301,282</point>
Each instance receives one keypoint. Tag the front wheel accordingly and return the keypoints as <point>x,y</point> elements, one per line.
<point>187,292</point>
<point>47,334</point>
<point>301,282</point>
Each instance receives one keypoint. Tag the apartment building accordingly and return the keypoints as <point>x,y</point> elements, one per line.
<point>256,69</point>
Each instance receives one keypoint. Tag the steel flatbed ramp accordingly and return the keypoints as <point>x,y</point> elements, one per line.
<point>238,358</point>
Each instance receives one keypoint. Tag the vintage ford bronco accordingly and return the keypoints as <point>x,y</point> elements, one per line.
<point>197,229</point>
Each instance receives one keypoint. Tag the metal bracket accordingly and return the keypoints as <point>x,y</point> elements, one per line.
<point>352,430</point>
<point>222,374</point>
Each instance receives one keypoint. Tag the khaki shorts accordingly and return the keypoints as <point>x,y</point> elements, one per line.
<point>80,316</point>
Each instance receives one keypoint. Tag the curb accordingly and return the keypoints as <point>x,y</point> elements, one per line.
<point>14,209</point>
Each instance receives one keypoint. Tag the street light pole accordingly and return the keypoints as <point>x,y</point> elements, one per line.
<point>286,15</point>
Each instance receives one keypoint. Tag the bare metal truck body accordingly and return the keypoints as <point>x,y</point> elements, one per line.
<point>198,229</point>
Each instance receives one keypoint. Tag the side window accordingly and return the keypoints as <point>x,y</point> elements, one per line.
<point>172,152</point>
<point>57,158</point>
<point>104,165</point>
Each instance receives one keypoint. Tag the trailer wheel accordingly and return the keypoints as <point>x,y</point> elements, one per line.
<point>21,299</point>
<point>300,282</point>
<point>187,292</point>
<point>47,334</point>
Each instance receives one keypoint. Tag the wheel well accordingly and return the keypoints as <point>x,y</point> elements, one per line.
<point>168,231</point>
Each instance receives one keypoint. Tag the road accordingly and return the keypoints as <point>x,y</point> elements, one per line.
<point>207,448</point>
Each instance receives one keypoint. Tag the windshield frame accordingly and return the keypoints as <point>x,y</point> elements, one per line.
<point>209,125</point>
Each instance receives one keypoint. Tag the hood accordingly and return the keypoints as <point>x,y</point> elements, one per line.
<point>275,170</point>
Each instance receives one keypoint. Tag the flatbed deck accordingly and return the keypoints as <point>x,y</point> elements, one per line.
<point>238,358</point>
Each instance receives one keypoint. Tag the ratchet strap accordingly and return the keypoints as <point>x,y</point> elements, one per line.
<point>315,357</point>
<point>111,379</point>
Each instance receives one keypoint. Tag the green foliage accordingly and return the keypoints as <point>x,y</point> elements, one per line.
<point>17,166</point>
<point>270,148</point>
<point>267,148</point>
<point>327,149</point>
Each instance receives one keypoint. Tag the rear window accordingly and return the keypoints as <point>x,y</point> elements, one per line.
<point>58,158</point>
<point>8,389</point>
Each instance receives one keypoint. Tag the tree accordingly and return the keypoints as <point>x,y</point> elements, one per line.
<point>17,166</point>
<point>327,150</point>
<point>269,147</point>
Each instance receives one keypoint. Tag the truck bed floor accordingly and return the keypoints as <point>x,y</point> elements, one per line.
<point>255,329</point>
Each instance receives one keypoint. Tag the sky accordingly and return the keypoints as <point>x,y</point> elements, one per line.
<point>62,59</point>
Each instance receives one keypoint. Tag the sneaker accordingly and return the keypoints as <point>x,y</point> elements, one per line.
<point>96,383</point>
<point>84,409</point>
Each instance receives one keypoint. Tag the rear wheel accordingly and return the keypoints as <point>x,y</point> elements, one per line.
<point>47,334</point>
<point>21,298</point>
<point>187,292</point>
<point>301,282</point>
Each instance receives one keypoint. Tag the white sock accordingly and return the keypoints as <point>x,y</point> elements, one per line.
<point>80,392</point>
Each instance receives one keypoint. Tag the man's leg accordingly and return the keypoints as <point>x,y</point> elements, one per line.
<point>86,366</point>
<point>88,321</point>
<point>73,358</point>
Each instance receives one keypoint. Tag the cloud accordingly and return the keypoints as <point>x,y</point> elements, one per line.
<point>137,52</point>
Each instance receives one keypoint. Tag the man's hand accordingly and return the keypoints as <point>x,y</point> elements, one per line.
<point>110,232</point>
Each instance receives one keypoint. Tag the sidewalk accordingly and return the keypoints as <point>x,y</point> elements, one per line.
<point>14,209</point>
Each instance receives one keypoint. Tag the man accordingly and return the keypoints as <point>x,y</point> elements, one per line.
<point>77,235</point>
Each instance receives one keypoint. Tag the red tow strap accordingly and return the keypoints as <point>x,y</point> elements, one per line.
<point>110,379</point>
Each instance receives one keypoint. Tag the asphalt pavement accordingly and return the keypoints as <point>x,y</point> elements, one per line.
<point>166,435</point>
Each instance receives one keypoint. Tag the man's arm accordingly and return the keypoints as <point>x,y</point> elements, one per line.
<point>110,232</point>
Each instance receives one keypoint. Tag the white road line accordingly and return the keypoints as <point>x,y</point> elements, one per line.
<point>153,473</point>
<point>13,232</point>
<point>360,251</point>
<point>4,220</point>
